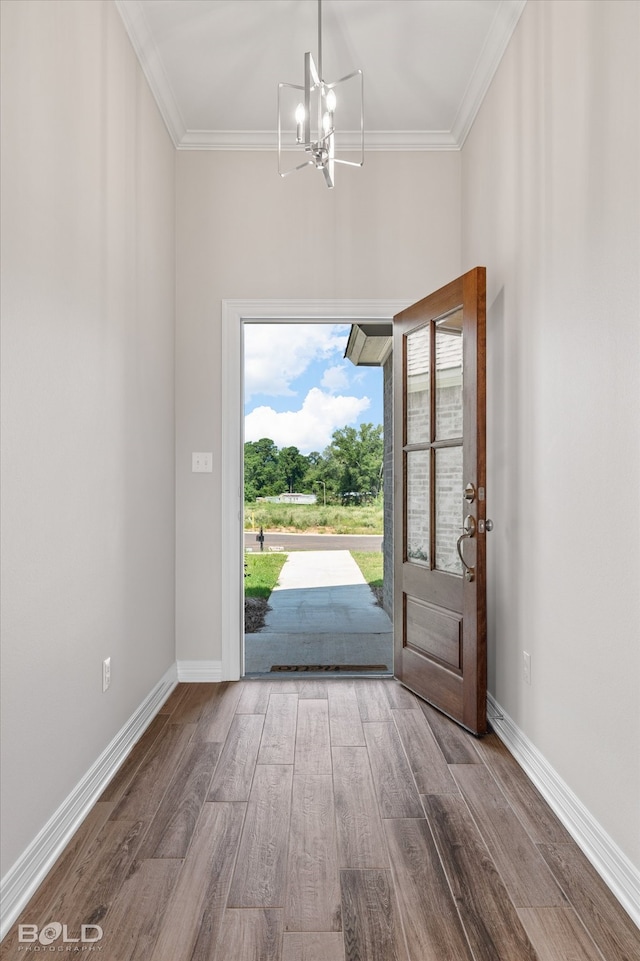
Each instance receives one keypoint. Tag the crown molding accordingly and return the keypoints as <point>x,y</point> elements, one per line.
<point>504,23</point>
<point>135,22</point>
<point>349,140</point>
<point>145,49</point>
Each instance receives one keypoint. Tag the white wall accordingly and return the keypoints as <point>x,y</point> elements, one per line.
<point>88,241</point>
<point>390,230</point>
<point>551,205</point>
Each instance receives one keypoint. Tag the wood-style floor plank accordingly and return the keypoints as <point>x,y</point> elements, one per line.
<point>373,702</point>
<point>523,870</point>
<point>489,918</point>
<point>541,823</point>
<point>313,748</point>
<point>173,825</point>
<point>372,928</point>
<point>144,793</point>
<point>178,693</point>
<point>394,784</point>
<point>218,713</point>
<point>400,699</point>
<point>194,913</point>
<point>431,922</point>
<point>39,909</point>
<point>429,768</point>
<point>97,878</point>
<point>278,743</point>
<point>556,933</point>
<point>315,689</point>
<point>254,698</point>
<point>285,685</point>
<point>607,922</point>
<point>254,934</point>
<point>312,946</point>
<point>344,717</point>
<point>313,882</point>
<point>259,880</point>
<point>234,773</point>
<point>116,786</point>
<point>456,745</point>
<point>280,849</point>
<point>190,708</point>
<point>361,839</point>
<point>129,935</point>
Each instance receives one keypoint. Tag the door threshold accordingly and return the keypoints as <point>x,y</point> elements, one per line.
<point>325,673</point>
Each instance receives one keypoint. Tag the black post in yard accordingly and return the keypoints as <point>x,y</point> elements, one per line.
<point>260,539</point>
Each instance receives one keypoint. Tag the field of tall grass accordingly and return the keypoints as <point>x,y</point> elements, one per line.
<point>334,519</point>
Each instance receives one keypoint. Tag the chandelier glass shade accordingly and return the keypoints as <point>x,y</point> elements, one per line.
<point>307,116</point>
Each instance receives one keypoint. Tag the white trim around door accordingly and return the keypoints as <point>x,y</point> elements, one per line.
<point>235,313</point>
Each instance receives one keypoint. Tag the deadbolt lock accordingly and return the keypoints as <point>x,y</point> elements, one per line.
<point>469,493</point>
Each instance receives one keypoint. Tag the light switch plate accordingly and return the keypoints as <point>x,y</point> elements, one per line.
<point>202,462</point>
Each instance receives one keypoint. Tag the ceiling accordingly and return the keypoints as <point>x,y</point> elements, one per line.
<point>214,65</point>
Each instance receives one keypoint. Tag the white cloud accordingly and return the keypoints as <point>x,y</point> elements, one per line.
<point>335,378</point>
<point>276,354</point>
<point>309,428</point>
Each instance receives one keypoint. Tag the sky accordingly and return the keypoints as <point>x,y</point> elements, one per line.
<point>299,388</point>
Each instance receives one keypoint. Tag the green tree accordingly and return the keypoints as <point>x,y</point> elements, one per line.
<point>261,474</point>
<point>354,459</point>
<point>292,467</point>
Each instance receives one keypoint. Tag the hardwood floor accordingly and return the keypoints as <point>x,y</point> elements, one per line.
<point>337,820</point>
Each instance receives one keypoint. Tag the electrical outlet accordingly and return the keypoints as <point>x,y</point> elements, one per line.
<point>106,674</point>
<point>526,667</point>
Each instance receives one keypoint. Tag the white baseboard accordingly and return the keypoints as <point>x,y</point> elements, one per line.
<point>21,881</point>
<point>613,866</point>
<point>199,671</point>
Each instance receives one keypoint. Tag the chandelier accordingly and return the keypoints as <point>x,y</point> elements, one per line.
<point>310,126</point>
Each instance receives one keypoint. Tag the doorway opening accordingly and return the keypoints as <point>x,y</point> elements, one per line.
<point>235,314</point>
<point>317,462</point>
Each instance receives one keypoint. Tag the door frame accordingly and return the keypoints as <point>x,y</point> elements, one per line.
<point>234,314</point>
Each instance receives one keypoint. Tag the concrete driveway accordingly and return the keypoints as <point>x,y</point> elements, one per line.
<point>323,613</point>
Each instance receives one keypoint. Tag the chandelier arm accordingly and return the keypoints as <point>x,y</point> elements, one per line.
<point>307,163</point>
<point>334,83</point>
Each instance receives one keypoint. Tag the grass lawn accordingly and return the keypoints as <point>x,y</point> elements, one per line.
<point>370,563</point>
<point>314,517</point>
<point>262,572</point>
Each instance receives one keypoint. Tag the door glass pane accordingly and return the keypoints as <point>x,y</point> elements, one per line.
<point>449,508</point>
<point>418,412</point>
<point>418,506</point>
<point>448,379</point>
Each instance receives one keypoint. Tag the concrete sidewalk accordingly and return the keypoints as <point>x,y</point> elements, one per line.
<point>322,612</point>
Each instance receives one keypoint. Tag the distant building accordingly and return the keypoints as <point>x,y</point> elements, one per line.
<point>297,498</point>
<point>290,499</point>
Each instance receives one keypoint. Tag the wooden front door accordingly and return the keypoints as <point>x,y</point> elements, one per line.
<point>440,499</point>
